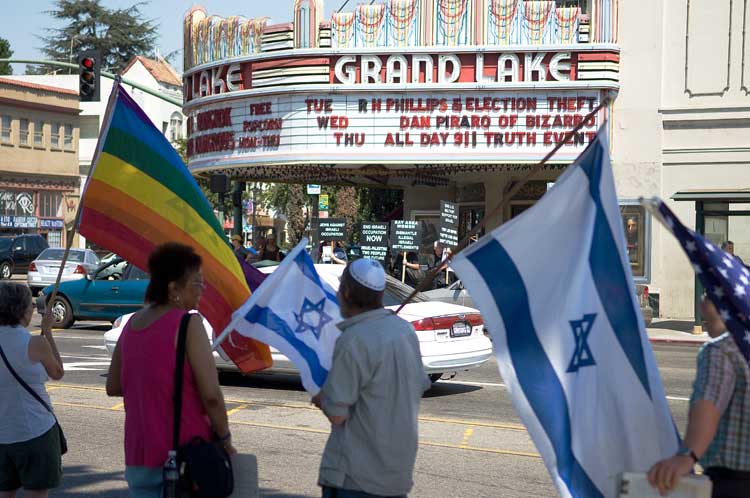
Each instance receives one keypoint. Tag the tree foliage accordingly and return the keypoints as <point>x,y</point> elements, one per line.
<point>345,206</point>
<point>295,214</point>
<point>355,204</point>
<point>5,53</point>
<point>376,203</point>
<point>120,34</point>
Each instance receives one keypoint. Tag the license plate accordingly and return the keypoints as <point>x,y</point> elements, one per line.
<point>460,329</point>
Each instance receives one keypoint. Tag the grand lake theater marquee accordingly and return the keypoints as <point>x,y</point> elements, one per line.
<point>453,94</point>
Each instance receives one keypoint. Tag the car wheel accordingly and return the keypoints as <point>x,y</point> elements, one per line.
<point>435,377</point>
<point>62,313</point>
<point>5,270</point>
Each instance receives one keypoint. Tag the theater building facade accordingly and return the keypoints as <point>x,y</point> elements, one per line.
<point>450,100</point>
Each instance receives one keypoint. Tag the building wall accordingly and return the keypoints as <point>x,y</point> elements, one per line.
<point>38,180</point>
<point>681,121</point>
<point>92,113</point>
<point>33,158</point>
<point>158,110</point>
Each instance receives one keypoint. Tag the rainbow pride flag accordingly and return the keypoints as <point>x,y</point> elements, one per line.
<point>140,195</point>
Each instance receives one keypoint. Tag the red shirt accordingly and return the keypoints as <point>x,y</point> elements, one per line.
<point>147,373</point>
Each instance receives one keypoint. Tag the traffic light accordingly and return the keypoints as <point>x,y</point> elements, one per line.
<point>89,67</point>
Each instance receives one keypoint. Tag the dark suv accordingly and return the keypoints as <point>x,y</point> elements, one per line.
<point>18,251</point>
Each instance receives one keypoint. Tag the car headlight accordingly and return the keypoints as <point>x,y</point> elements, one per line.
<point>117,323</point>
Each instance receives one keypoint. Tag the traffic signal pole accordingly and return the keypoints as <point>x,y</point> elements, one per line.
<point>106,74</point>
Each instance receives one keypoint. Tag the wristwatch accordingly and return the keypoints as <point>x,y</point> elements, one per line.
<point>685,451</point>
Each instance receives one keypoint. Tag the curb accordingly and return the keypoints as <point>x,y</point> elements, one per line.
<point>681,342</point>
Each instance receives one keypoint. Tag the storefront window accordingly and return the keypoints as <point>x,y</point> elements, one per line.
<point>24,132</point>
<point>5,129</point>
<point>49,204</point>
<point>634,222</point>
<point>38,133</point>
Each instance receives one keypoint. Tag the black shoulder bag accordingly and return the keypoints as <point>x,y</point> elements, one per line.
<point>205,468</point>
<point>63,441</point>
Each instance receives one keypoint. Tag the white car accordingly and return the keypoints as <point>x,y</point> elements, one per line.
<point>43,270</point>
<point>451,337</point>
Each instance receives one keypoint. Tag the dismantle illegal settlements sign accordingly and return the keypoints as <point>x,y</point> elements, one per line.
<point>331,229</point>
<point>373,240</point>
<point>405,235</point>
<point>449,224</point>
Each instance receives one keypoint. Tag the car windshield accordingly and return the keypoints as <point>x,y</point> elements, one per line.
<point>132,272</point>
<point>5,244</point>
<point>396,292</point>
<point>57,255</point>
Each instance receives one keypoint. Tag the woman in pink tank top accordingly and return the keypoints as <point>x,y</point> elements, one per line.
<point>143,365</point>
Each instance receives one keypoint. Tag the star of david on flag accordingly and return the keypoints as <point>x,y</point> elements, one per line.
<point>582,356</point>
<point>555,289</point>
<point>725,279</point>
<point>312,317</point>
<point>296,312</point>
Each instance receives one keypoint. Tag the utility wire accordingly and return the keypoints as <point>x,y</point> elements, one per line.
<point>343,5</point>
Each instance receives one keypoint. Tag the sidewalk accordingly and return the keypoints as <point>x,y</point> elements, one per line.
<point>664,331</point>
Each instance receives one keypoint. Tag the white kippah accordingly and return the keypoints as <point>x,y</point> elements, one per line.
<point>368,273</point>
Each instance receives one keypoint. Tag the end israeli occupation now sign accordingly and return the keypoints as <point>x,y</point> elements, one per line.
<point>449,224</point>
<point>331,229</point>
<point>405,235</point>
<point>373,239</point>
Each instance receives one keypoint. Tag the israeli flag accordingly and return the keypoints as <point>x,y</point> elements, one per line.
<point>295,312</point>
<point>556,292</point>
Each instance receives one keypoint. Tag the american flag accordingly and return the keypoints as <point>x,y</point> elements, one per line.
<point>725,278</point>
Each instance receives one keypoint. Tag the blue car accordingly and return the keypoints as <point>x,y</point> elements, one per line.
<point>104,294</point>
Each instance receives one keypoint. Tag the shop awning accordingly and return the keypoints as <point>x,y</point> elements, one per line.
<point>718,195</point>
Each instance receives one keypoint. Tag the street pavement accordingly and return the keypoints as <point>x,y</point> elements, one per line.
<point>471,441</point>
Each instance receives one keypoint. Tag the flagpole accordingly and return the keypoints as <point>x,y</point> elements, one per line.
<point>505,201</point>
<point>236,318</point>
<point>77,219</point>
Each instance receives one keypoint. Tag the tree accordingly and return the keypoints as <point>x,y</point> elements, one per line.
<point>376,203</point>
<point>5,53</point>
<point>346,206</point>
<point>120,34</point>
<point>295,216</point>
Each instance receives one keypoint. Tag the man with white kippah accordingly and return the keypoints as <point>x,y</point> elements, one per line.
<point>372,393</point>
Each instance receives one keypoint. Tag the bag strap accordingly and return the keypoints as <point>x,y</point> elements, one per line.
<point>179,367</point>
<point>25,385</point>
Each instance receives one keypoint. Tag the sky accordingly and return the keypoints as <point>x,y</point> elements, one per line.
<point>23,20</point>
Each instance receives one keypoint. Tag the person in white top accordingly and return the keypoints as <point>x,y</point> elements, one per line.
<point>30,446</point>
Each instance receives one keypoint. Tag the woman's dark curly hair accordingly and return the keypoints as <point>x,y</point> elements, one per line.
<point>15,299</point>
<point>170,262</point>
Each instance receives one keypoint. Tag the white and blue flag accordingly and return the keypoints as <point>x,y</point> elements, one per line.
<point>555,290</point>
<point>295,312</point>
